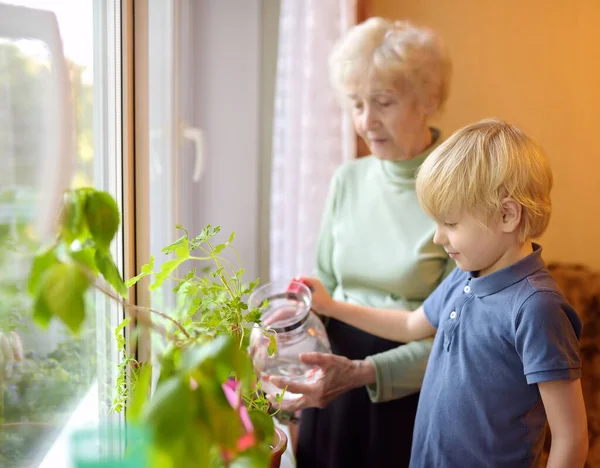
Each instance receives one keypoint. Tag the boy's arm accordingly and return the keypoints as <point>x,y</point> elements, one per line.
<point>397,325</point>
<point>563,402</point>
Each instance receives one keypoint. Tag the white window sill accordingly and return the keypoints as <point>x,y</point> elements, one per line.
<point>85,414</point>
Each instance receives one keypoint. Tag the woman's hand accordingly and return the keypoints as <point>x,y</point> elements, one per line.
<point>322,302</point>
<point>339,374</point>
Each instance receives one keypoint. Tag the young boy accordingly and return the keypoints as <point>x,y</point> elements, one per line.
<point>505,357</point>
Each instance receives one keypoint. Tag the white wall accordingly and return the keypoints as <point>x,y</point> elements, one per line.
<point>270,38</point>
<point>228,100</point>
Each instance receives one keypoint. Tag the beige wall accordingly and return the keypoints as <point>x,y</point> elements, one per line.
<point>536,64</point>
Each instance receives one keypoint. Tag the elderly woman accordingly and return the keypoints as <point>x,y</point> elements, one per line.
<point>376,248</point>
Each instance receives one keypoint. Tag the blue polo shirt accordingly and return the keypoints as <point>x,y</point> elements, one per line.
<point>498,336</point>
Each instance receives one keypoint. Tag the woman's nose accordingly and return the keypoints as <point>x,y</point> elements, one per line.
<point>370,120</point>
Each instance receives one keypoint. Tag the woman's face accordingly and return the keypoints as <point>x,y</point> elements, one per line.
<point>393,125</point>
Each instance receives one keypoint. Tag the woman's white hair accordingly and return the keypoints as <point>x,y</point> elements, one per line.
<point>412,59</point>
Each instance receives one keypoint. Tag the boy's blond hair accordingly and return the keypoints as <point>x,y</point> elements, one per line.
<point>479,166</point>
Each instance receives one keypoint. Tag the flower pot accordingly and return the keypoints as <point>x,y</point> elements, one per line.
<point>279,445</point>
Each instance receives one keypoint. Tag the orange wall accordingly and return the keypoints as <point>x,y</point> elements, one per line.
<point>536,64</point>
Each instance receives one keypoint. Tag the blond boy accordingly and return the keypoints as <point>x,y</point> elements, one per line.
<point>505,359</point>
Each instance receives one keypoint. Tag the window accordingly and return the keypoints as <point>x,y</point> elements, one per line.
<point>44,375</point>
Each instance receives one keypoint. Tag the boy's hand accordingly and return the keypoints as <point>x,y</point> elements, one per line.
<point>322,303</point>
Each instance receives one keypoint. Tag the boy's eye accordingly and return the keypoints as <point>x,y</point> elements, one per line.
<point>450,225</point>
<point>384,103</point>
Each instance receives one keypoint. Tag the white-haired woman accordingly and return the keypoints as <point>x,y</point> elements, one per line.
<point>376,248</point>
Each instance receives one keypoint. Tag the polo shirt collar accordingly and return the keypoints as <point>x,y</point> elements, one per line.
<point>501,279</point>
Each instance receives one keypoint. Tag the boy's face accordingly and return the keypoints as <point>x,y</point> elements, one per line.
<point>472,246</point>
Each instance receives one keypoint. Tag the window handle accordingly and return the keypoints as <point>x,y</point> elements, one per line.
<point>196,135</point>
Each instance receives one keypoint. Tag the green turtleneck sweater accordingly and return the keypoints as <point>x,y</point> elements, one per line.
<point>376,249</point>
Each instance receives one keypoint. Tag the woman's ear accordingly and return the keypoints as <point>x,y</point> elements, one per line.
<point>512,213</point>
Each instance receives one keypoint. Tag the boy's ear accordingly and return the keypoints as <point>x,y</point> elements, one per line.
<point>511,215</point>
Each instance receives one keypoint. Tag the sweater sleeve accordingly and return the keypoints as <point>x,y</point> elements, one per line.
<point>399,371</point>
<point>324,264</point>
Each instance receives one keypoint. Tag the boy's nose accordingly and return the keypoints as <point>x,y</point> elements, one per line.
<point>438,237</point>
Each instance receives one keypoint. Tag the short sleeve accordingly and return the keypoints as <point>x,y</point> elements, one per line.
<point>435,302</point>
<point>547,333</point>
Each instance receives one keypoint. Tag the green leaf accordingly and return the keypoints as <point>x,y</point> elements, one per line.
<point>41,263</point>
<point>42,315</point>
<point>195,355</point>
<point>62,289</point>
<point>182,253</point>
<point>219,248</point>
<point>73,221</point>
<point>172,247</point>
<point>119,328</point>
<point>147,269</point>
<point>86,258</point>
<point>102,216</point>
<point>190,274</point>
<point>255,457</point>
<point>206,234</point>
<point>253,316</point>
<point>141,394</point>
<point>170,410</point>
<point>119,332</point>
<point>272,349</point>
<point>214,409</point>
<point>231,238</point>
<point>109,270</point>
<point>185,283</point>
<point>264,427</point>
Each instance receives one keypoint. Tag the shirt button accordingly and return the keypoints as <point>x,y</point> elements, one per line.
<point>453,314</point>
<point>467,289</point>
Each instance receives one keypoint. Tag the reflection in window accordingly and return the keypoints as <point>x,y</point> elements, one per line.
<point>43,374</point>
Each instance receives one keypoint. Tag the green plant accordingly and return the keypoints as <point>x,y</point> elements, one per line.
<point>207,409</point>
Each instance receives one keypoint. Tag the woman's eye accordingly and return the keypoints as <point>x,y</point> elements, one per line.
<point>385,103</point>
<point>450,225</point>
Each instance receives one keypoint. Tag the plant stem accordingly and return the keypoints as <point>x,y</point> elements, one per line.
<point>237,254</point>
<point>127,305</point>
<point>200,259</point>
<point>225,283</point>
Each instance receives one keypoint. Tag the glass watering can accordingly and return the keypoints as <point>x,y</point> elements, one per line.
<point>286,314</point>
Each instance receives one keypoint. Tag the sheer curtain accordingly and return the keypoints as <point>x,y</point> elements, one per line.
<point>311,134</point>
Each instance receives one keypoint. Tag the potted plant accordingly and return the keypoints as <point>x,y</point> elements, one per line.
<point>206,408</point>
